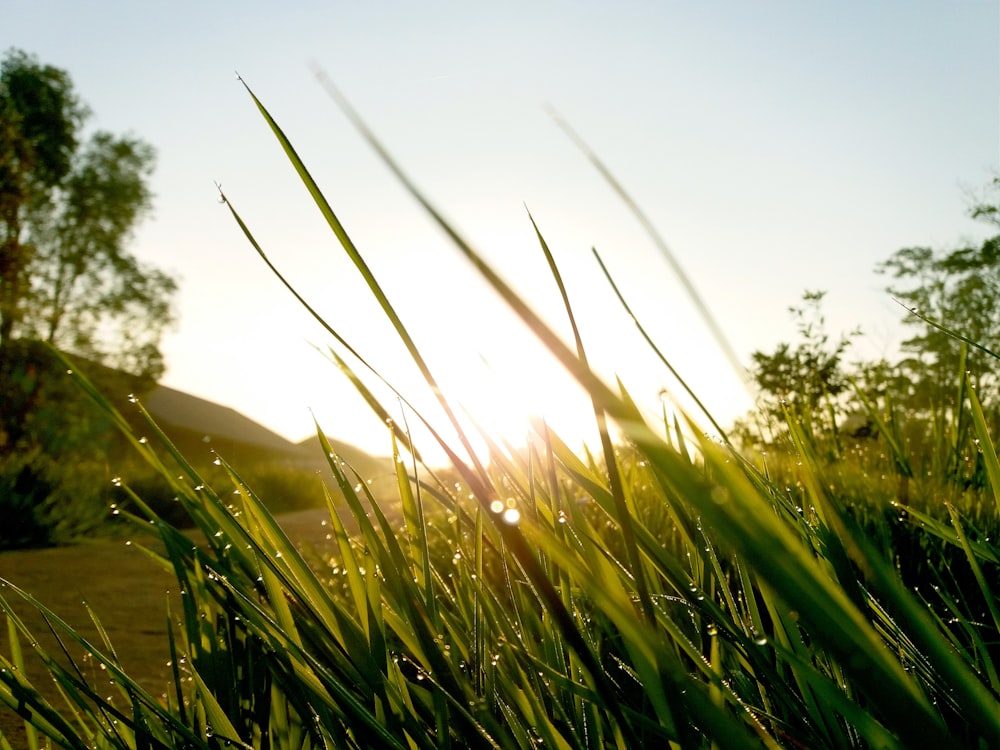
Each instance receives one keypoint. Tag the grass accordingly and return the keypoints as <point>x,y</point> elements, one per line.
<point>667,591</point>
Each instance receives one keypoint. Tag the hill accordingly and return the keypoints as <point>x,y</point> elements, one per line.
<point>196,425</point>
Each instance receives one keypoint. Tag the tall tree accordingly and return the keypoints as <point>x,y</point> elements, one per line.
<point>959,290</point>
<point>68,207</point>
<point>40,117</point>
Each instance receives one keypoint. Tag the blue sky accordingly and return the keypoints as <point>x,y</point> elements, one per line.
<point>777,146</point>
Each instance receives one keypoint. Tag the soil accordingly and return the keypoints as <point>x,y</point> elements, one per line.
<point>128,592</point>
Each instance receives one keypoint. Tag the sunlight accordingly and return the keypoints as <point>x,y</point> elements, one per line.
<point>503,397</point>
<point>518,382</point>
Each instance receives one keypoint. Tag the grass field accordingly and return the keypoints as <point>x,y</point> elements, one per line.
<point>664,589</point>
<point>126,590</point>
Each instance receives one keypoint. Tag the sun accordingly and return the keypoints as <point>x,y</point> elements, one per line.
<point>505,398</point>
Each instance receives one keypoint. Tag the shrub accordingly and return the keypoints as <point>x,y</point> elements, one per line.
<point>44,503</point>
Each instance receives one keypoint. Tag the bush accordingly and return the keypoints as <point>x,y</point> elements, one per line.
<point>47,503</point>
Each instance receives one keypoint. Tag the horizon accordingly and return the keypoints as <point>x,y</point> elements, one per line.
<point>776,150</point>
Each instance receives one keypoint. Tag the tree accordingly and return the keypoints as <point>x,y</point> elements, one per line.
<point>39,121</point>
<point>68,207</point>
<point>958,290</point>
<point>808,378</point>
<point>986,208</point>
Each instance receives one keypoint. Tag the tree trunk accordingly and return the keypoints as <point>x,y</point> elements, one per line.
<point>12,263</point>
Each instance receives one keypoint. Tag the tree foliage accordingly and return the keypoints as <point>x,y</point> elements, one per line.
<point>68,207</point>
<point>806,378</point>
<point>958,290</point>
<point>948,298</point>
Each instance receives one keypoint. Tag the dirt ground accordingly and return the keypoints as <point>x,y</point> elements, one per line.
<point>127,591</point>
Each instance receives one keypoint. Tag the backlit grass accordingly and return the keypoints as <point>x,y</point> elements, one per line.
<point>665,591</point>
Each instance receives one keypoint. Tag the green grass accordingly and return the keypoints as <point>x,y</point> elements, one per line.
<point>667,591</point>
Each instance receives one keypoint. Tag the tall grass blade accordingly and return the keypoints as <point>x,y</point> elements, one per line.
<point>948,331</point>
<point>986,447</point>
<point>623,515</point>
<point>661,245</point>
<point>366,273</point>
<point>656,350</point>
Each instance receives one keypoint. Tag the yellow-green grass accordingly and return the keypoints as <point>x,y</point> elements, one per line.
<point>666,591</point>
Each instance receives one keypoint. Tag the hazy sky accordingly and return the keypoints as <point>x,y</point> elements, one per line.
<point>777,146</point>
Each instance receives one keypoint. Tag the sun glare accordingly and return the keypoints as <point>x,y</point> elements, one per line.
<point>504,398</point>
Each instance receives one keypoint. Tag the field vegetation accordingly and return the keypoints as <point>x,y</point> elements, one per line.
<point>802,581</point>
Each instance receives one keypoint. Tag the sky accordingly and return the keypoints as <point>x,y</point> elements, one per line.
<point>777,147</point>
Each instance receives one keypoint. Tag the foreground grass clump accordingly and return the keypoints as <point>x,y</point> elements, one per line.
<point>667,592</point>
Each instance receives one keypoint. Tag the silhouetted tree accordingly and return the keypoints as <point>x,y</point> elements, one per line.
<point>958,290</point>
<point>68,207</point>
<point>806,378</point>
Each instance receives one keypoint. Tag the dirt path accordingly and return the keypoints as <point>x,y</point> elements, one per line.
<point>125,588</point>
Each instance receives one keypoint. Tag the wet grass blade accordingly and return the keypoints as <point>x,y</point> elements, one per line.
<point>362,266</point>
<point>623,515</point>
<point>985,443</point>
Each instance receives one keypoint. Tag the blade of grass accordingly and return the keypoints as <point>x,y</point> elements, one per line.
<point>656,350</point>
<point>17,664</point>
<point>985,443</point>
<point>366,273</point>
<point>654,235</point>
<point>623,516</point>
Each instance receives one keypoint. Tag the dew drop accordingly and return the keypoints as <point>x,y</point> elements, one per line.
<point>511,516</point>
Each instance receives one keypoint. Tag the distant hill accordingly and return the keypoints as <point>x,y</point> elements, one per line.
<point>195,422</point>
<point>364,463</point>
<point>197,426</point>
<point>56,436</point>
